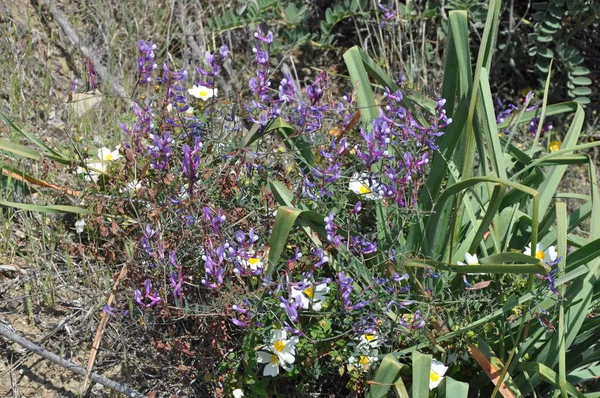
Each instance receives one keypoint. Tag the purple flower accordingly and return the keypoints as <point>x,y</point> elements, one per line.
<point>291,307</point>
<point>331,228</point>
<point>145,61</point>
<point>153,298</point>
<point>190,163</point>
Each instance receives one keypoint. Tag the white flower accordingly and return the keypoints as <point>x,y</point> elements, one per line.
<point>252,263</point>
<point>438,370</point>
<point>364,361</point>
<point>281,352</point>
<point>202,92</point>
<point>547,256</point>
<point>471,259</point>
<point>368,341</point>
<point>311,296</point>
<point>131,186</point>
<point>238,393</point>
<point>94,168</point>
<point>79,225</point>
<point>105,154</point>
<point>362,186</point>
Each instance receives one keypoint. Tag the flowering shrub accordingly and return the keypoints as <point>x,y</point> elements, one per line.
<point>197,177</point>
<point>317,244</point>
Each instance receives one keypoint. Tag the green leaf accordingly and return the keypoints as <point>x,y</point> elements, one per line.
<point>421,368</point>
<point>385,377</point>
<point>19,150</point>
<point>360,81</point>
<point>545,52</point>
<point>45,209</point>
<point>284,221</point>
<point>451,388</point>
<point>580,71</point>
<point>581,81</point>
<point>548,375</point>
<point>581,91</point>
<point>51,152</point>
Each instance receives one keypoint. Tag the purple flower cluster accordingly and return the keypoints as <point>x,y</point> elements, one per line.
<point>261,84</point>
<point>399,146</point>
<point>190,163</point>
<point>346,289</point>
<point>214,62</point>
<point>175,93</point>
<point>161,150</point>
<point>149,299</point>
<point>145,63</point>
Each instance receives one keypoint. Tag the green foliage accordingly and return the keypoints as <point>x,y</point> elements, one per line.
<point>290,18</point>
<point>552,39</point>
<point>478,211</point>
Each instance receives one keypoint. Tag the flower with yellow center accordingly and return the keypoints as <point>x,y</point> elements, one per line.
<point>310,295</point>
<point>547,255</point>
<point>253,262</point>
<point>203,93</point>
<point>95,167</point>
<point>369,341</point>
<point>436,374</point>
<point>360,185</point>
<point>363,361</point>
<point>280,352</point>
<point>554,146</point>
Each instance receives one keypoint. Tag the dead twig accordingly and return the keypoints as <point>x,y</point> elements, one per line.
<point>67,364</point>
<point>100,330</point>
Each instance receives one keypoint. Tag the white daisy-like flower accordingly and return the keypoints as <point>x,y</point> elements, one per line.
<point>312,296</point>
<point>360,185</point>
<point>94,168</point>
<point>436,374</point>
<point>202,92</point>
<point>252,263</point>
<point>79,224</point>
<point>471,259</point>
<point>547,255</point>
<point>238,393</point>
<point>363,361</point>
<point>369,341</point>
<point>280,352</point>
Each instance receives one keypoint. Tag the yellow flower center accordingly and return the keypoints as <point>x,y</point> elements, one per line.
<point>309,292</point>
<point>279,345</point>
<point>364,189</point>
<point>363,360</point>
<point>204,93</point>
<point>274,358</point>
<point>540,255</point>
<point>109,156</point>
<point>253,261</point>
<point>554,146</point>
<point>434,376</point>
<point>369,337</point>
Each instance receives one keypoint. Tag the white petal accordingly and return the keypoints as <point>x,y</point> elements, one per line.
<point>277,335</point>
<point>471,259</point>
<point>238,393</point>
<point>271,369</point>
<point>551,253</point>
<point>264,357</point>
<point>286,357</point>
